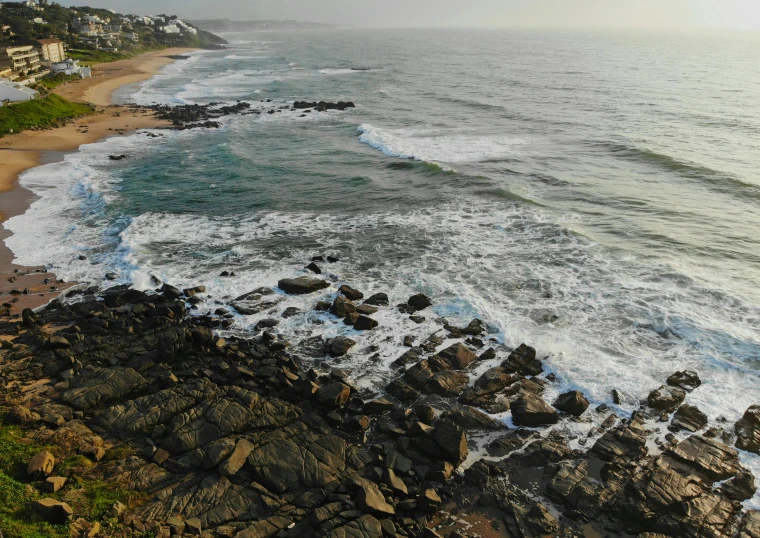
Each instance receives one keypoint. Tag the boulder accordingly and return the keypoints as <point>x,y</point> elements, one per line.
<point>340,345</point>
<point>740,488</point>
<point>689,418</point>
<point>686,380</point>
<point>302,286</point>
<point>523,361</point>
<point>55,483</point>
<point>378,299</point>
<point>748,430</point>
<point>532,411</point>
<point>456,357</point>
<point>666,398</point>
<point>52,511</point>
<point>379,406</point>
<point>440,471</point>
<point>29,318</point>
<point>365,323</point>
<point>351,293</point>
<point>22,416</point>
<point>448,383</point>
<point>425,413</point>
<point>419,302</point>
<point>468,418</point>
<point>621,444</point>
<point>714,459</point>
<point>429,501</point>
<point>371,500</point>
<point>41,465</point>
<point>333,394</point>
<point>342,306</point>
<point>494,380</point>
<point>452,441</point>
<point>573,403</point>
<point>394,482</point>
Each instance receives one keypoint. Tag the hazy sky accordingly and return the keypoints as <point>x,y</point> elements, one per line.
<point>550,13</point>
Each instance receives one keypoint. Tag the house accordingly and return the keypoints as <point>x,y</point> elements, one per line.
<point>52,50</point>
<point>10,91</point>
<point>132,37</point>
<point>21,59</point>
<point>71,67</point>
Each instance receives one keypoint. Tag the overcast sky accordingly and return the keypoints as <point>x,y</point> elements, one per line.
<point>461,13</point>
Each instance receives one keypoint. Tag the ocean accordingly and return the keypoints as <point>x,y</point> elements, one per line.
<point>594,195</point>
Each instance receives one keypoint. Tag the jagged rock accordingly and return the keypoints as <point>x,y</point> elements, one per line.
<point>333,394</point>
<point>371,500</point>
<point>82,528</point>
<point>709,456</point>
<point>622,444</point>
<point>22,416</point>
<point>686,380</point>
<point>750,525</point>
<point>419,302</point>
<point>41,465</point>
<point>351,293</point>
<point>544,451</point>
<point>53,511</point>
<point>494,380</point>
<point>620,397</point>
<point>452,441</point>
<point>689,418</point>
<point>394,482</point>
<point>740,488</point>
<point>302,285</point>
<point>29,318</point>
<point>378,407</point>
<point>425,413</point>
<point>456,357</point>
<point>342,306</point>
<point>523,361</point>
<point>378,299</point>
<point>429,501</point>
<point>447,383</point>
<point>419,375</point>
<point>365,323</point>
<point>401,389</point>
<point>531,411</point>
<point>440,471</point>
<point>666,398</point>
<point>101,385</point>
<point>748,430</point>
<point>55,483</point>
<point>468,418</point>
<point>364,527</point>
<point>193,526</point>
<point>573,403</point>
<point>340,345</point>
<point>237,459</point>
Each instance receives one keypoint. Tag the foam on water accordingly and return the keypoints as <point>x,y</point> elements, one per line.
<point>439,146</point>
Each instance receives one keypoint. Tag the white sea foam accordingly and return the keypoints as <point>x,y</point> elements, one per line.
<point>339,71</point>
<point>439,146</point>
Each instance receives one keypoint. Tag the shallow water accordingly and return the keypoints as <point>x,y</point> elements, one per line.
<point>608,180</point>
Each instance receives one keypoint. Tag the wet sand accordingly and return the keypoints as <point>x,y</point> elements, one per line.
<point>25,287</point>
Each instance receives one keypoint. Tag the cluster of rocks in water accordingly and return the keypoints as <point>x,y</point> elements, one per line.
<point>207,116</point>
<point>244,437</point>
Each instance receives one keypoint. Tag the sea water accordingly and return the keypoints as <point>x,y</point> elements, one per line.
<point>593,195</point>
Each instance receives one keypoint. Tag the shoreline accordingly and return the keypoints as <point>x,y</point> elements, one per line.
<point>29,149</point>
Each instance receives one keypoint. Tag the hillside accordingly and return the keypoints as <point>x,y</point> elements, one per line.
<point>226,25</point>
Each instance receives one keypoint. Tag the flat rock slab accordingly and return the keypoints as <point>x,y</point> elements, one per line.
<point>302,286</point>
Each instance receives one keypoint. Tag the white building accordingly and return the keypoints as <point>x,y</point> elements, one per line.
<point>10,91</point>
<point>171,29</point>
<point>71,67</point>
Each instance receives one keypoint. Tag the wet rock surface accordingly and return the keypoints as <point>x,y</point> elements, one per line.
<point>222,435</point>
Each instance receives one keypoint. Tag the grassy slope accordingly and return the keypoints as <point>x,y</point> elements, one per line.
<point>90,497</point>
<point>39,113</point>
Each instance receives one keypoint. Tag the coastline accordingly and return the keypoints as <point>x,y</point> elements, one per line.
<point>23,151</point>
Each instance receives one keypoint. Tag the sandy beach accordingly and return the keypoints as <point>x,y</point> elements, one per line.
<point>24,287</point>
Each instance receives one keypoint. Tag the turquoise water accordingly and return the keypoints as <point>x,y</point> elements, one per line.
<point>606,180</point>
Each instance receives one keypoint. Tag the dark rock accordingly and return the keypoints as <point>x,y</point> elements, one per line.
<point>302,285</point>
<point>429,501</point>
<point>334,394</point>
<point>425,413</point>
<point>468,418</point>
<point>340,345</point>
<point>351,293</point>
<point>456,357</point>
<point>452,441</point>
<point>623,444</point>
<point>419,302</point>
<point>41,465</point>
<point>29,318</point>
<point>365,323</point>
<point>748,430</point>
<point>531,411</point>
<point>688,418</point>
<point>686,380</point>
<point>666,398</point>
<point>314,268</point>
<point>709,456</point>
<point>573,403</point>
<point>371,500</point>
<point>378,407</point>
<point>342,306</point>
<point>740,488</point>
<point>447,383</point>
<point>378,299</point>
<point>523,361</point>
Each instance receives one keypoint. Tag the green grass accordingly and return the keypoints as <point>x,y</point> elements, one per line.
<point>44,112</point>
<point>55,81</point>
<point>91,57</point>
<point>90,497</point>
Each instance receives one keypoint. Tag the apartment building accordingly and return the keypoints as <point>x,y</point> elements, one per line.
<point>52,50</point>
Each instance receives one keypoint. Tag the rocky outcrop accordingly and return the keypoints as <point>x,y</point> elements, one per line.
<point>302,285</point>
<point>748,430</point>
<point>530,410</point>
